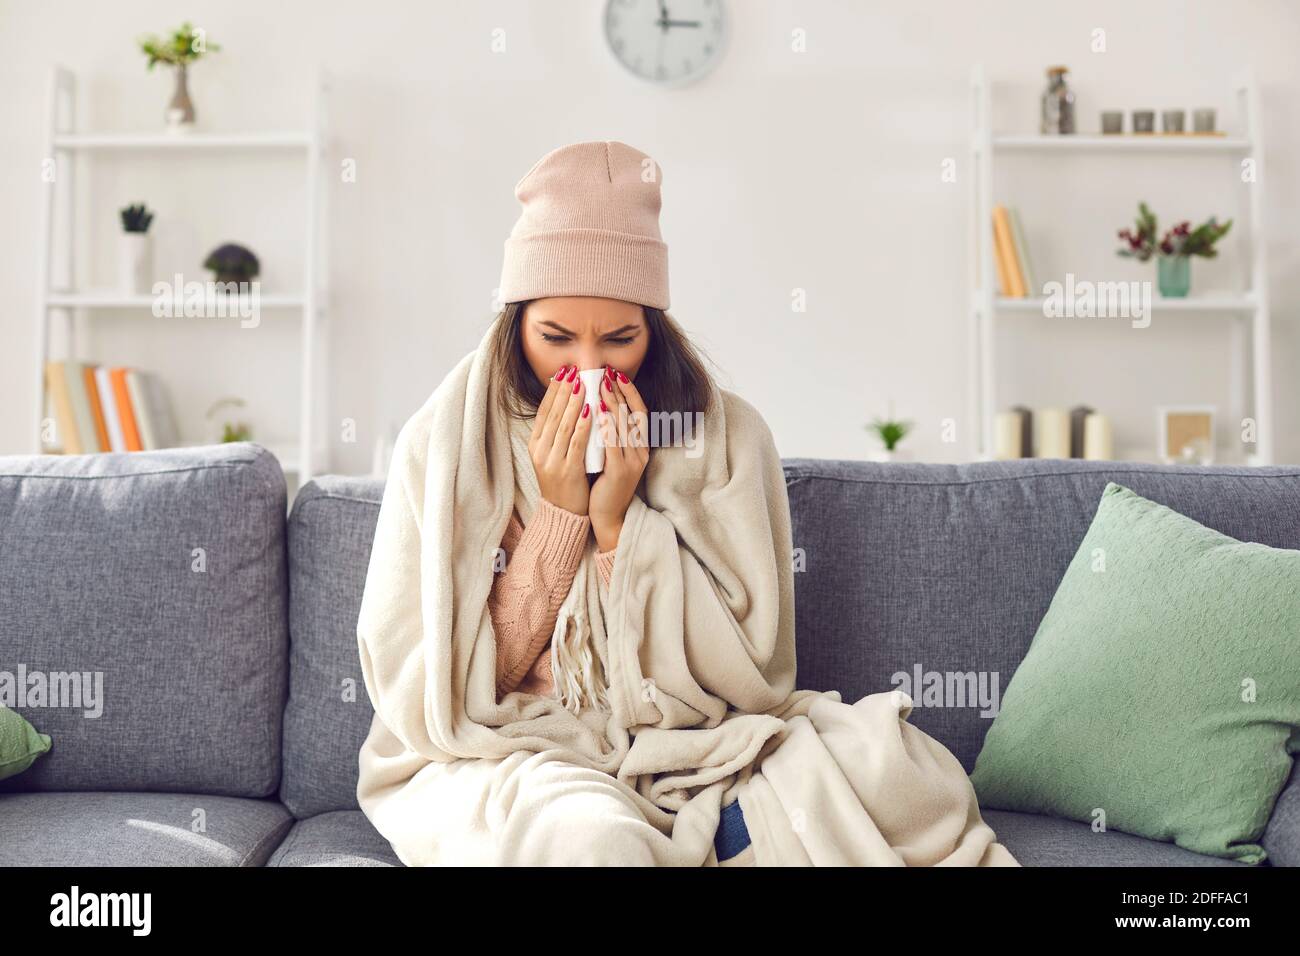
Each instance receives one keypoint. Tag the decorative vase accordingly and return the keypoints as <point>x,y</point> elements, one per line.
<point>135,263</point>
<point>180,111</point>
<point>1174,276</point>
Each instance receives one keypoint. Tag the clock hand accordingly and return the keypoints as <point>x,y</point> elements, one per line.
<point>659,63</point>
<point>677,23</point>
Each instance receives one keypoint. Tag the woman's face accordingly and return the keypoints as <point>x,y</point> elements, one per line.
<point>584,330</point>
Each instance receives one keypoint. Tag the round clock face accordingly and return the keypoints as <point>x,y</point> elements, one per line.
<point>670,42</point>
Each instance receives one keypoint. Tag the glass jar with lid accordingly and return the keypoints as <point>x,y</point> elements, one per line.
<point>1058,103</point>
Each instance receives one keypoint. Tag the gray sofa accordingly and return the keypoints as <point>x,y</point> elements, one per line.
<point>205,699</point>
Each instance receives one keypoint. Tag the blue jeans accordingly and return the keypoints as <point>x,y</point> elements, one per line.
<point>732,835</point>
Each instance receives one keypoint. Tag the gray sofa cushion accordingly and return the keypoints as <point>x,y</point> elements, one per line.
<point>1037,840</point>
<point>138,829</point>
<point>330,531</point>
<point>952,567</point>
<point>338,838</point>
<point>97,577</point>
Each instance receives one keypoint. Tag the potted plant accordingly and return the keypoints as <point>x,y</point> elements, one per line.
<point>1174,250</point>
<point>230,430</point>
<point>232,263</point>
<point>890,431</point>
<point>179,50</point>
<point>135,255</point>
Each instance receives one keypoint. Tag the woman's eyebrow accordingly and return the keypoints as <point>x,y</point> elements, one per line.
<point>555,325</point>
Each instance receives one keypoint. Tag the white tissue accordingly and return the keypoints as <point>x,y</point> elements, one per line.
<point>591,379</point>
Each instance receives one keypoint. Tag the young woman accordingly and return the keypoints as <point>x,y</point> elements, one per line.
<point>525,769</point>
<point>539,346</point>
<point>604,696</point>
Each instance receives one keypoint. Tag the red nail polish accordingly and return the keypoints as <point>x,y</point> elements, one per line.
<point>609,382</point>
<point>577,385</point>
<point>622,377</point>
<point>559,376</point>
<point>573,374</point>
<point>603,406</point>
<point>586,410</point>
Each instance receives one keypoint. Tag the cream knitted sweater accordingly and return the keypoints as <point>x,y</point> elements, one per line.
<point>541,562</point>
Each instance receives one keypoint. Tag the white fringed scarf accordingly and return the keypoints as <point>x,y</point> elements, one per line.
<point>579,674</point>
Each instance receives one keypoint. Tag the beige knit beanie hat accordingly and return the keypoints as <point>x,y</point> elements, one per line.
<point>589,226</point>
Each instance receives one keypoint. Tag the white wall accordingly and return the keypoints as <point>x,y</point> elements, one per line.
<point>782,170</point>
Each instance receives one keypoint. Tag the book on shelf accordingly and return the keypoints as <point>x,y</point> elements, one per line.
<point>100,408</point>
<point>104,385</point>
<point>1022,251</point>
<point>154,419</point>
<point>61,405</point>
<point>1004,281</point>
<point>1015,277</point>
<point>125,413</point>
<point>75,378</point>
<point>96,407</point>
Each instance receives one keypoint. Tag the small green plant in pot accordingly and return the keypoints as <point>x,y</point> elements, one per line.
<point>135,252</point>
<point>1175,249</point>
<point>136,218</point>
<point>182,47</point>
<point>230,430</point>
<point>890,431</point>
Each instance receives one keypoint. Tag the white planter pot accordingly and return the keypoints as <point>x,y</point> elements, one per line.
<point>135,263</point>
<point>897,454</point>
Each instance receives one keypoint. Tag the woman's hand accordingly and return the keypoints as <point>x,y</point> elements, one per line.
<point>624,463</point>
<point>558,444</point>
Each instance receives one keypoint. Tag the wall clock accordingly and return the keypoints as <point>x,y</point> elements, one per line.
<point>667,42</point>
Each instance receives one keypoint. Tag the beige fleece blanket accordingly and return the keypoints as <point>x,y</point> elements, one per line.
<point>695,640</point>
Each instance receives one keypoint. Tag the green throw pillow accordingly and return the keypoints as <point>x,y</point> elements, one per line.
<point>20,744</point>
<point>1162,687</point>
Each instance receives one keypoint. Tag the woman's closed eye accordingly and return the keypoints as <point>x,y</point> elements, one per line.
<point>617,340</point>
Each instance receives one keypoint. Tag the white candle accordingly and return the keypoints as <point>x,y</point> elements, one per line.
<point>1097,444</point>
<point>1053,433</point>
<point>1006,436</point>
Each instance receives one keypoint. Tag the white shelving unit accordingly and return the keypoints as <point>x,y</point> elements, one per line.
<point>303,455</point>
<point>1249,310</point>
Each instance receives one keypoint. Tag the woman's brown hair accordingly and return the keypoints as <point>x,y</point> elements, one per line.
<point>672,377</point>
